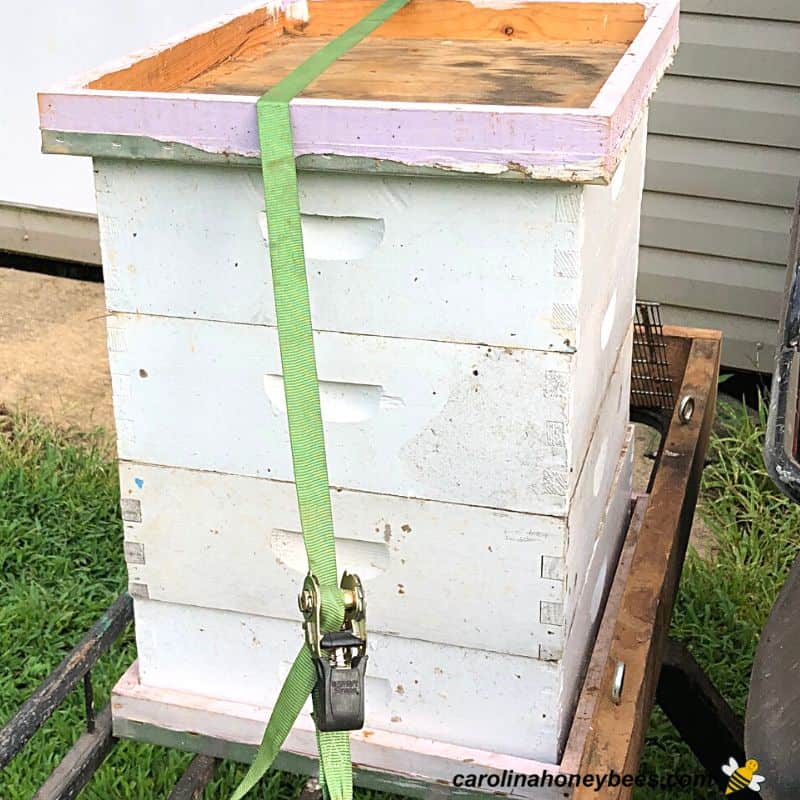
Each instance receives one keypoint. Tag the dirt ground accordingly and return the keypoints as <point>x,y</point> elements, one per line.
<point>53,355</point>
<point>53,361</point>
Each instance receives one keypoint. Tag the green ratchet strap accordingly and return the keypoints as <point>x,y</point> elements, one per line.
<point>302,402</point>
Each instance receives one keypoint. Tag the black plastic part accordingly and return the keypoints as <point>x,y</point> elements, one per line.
<point>781,446</point>
<point>336,639</point>
<point>338,695</point>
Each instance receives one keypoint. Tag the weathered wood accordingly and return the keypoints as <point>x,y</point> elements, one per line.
<point>195,61</point>
<point>550,257</point>
<point>438,700</point>
<point>382,779</point>
<point>194,780</point>
<point>393,543</point>
<point>590,567</point>
<point>556,74</point>
<point>142,148</point>
<point>577,145</point>
<point>603,735</point>
<point>679,347</point>
<point>584,713</point>
<point>79,765</point>
<point>44,701</point>
<point>617,732</point>
<point>748,343</point>
<point>401,415</point>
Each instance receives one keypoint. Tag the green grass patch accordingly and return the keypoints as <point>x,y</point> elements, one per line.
<point>61,565</point>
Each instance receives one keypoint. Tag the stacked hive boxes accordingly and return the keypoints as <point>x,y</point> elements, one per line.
<point>473,344</point>
<point>470,180</point>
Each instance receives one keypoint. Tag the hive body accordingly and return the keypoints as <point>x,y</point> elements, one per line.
<point>470,179</point>
<point>473,349</point>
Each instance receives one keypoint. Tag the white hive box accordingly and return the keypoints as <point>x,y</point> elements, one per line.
<point>216,576</point>
<point>471,242</point>
<point>510,285</point>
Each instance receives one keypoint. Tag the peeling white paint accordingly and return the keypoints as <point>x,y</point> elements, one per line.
<point>292,9</point>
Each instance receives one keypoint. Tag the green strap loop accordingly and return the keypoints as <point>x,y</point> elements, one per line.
<point>301,385</point>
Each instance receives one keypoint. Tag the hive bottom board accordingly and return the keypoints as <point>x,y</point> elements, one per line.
<point>383,760</point>
<point>521,706</point>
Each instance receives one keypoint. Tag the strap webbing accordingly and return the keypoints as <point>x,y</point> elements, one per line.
<point>293,311</point>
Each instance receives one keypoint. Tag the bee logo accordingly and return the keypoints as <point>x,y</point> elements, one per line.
<point>742,777</point>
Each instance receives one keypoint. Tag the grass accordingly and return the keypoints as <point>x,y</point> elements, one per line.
<point>724,600</point>
<point>61,565</point>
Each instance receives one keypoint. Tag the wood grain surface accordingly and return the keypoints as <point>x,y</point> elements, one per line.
<point>563,74</point>
<point>617,731</point>
<point>551,54</point>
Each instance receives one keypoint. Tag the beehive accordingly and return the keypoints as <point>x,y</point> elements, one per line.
<point>470,182</point>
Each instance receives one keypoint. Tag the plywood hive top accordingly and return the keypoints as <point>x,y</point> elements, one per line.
<point>431,51</point>
<point>439,58</point>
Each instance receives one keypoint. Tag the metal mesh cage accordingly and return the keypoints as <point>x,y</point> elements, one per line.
<point>651,385</point>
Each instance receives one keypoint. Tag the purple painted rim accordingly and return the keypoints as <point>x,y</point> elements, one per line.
<point>562,144</point>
